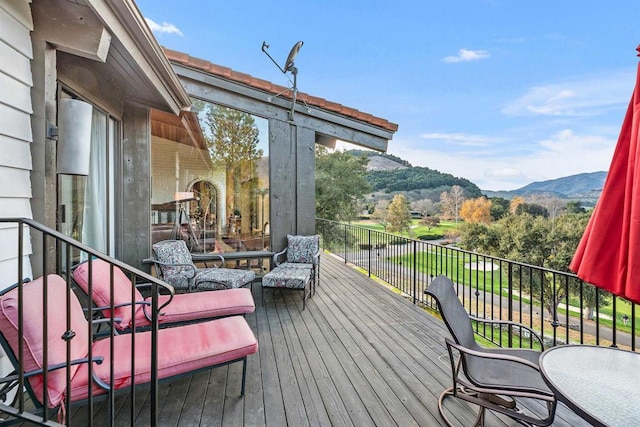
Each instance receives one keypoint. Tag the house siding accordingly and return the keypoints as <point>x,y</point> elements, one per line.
<point>15,130</point>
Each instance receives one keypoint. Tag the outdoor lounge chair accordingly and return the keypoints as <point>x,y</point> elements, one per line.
<point>174,309</point>
<point>301,252</point>
<point>174,265</point>
<point>58,343</point>
<point>300,270</point>
<point>492,378</point>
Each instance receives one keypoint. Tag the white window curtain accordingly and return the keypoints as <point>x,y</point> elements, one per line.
<point>94,224</point>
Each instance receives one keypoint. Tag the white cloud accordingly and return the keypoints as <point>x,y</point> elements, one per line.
<point>460,139</point>
<point>561,154</point>
<point>579,98</point>
<point>164,28</point>
<point>466,55</point>
<point>506,173</point>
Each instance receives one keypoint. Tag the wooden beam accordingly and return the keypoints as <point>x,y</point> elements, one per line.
<point>72,28</point>
<point>218,91</point>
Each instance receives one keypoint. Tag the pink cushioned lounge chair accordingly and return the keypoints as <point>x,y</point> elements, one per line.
<point>182,350</point>
<point>175,309</point>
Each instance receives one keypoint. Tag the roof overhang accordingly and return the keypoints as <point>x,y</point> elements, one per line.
<point>330,121</point>
<point>115,37</point>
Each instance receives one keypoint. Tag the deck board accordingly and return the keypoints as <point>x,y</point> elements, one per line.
<point>358,355</point>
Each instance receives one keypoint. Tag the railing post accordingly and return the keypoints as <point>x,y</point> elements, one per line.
<point>510,302</point>
<point>370,247</point>
<point>345,244</point>
<point>415,270</point>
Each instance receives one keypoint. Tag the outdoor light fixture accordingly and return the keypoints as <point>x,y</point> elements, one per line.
<point>289,67</point>
<point>74,137</point>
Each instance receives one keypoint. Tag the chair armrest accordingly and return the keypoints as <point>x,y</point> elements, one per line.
<point>55,367</point>
<point>507,358</point>
<point>491,355</point>
<point>212,258</point>
<point>532,333</point>
<point>277,255</point>
<point>166,264</point>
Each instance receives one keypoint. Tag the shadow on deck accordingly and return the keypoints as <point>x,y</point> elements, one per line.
<point>358,355</point>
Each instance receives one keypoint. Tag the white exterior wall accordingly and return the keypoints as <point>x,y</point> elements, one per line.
<point>15,130</point>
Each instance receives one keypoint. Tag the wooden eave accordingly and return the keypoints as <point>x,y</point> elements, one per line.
<point>183,128</point>
<point>120,47</point>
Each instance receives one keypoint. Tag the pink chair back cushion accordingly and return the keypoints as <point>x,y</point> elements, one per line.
<point>101,272</point>
<point>201,306</point>
<point>33,339</point>
<point>181,350</point>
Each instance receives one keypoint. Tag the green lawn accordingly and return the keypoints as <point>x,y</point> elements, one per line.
<point>417,230</point>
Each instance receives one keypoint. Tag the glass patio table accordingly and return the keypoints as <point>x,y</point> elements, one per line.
<point>601,384</point>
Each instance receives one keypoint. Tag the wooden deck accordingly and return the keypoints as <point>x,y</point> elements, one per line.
<point>359,355</point>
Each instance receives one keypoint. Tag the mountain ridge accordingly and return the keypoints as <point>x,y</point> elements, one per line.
<point>585,186</point>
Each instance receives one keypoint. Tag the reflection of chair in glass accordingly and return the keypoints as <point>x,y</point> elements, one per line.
<point>175,309</point>
<point>175,266</point>
<point>492,378</point>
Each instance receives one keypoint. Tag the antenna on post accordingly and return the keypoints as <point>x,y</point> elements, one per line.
<point>289,67</point>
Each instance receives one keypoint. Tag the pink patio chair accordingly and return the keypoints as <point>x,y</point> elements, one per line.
<point>174,309</point>
<point>175,266</point>
<point>182,350</point>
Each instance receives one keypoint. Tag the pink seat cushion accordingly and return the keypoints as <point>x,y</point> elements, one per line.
<point>101,286</point>
<point>183,308</point>
<point>202,305</point>
<point>181,350</point>
<point>33,355</point>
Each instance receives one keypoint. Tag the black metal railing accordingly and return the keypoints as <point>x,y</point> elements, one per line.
<point>45,251</point>
<point>557,304</point>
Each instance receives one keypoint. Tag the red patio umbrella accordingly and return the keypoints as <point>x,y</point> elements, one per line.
<point>608,255</point>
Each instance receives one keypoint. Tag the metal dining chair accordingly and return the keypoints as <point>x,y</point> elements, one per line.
<point>492,378</point>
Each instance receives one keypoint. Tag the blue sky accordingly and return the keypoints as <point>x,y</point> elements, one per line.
<point>501,92</point>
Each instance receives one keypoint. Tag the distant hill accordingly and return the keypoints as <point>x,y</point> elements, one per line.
<point>583,186</point>
<point>389,174</point>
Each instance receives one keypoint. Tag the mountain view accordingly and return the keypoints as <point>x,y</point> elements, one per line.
<point>390,174</point>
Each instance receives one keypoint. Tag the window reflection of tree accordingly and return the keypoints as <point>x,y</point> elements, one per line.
<point>232,139</point>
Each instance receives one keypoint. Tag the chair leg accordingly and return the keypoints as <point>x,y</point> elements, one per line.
<point>244,375</point>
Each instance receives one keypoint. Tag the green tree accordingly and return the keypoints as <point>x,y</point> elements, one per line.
<point>532,209</point>
<point>538,241</point>
<point>481,238</point>
<point>233,140</point>
<point>399,215</point>
<point>575,206</point>
<point>340,184</point>
<point>499,207</point>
